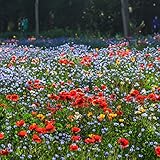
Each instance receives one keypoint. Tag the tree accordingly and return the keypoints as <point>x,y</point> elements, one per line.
<point>37,17</point>
<point>125,16</point>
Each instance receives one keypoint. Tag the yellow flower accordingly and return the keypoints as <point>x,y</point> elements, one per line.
<point>101,117</point>
<point>90,135</point>
<point>90,114</point>
<point>154,87</point>
<point>99,74</point>
<point>118,61</point>
<point>41,116</point>
<point>133,59</point>
<point>97,49</point>
<point>111,116</point>
<point>119,107</point>
<point>127,50</point>
<point>142,110</point>
<point>121,120</point>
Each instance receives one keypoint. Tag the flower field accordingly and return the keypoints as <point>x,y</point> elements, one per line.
<point>74,102</point>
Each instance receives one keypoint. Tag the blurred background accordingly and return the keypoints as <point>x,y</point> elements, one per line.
<point>75,16</point>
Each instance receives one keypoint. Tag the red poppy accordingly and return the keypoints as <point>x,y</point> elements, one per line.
<point>112,97</point>
<point>89,140</point>
<point>128,98</point>
<point>53,96</point>
<point>33,126</point>
<point>119,113</point>
<point>73,93</point>
<point>63,61</point>
<point>50,128</point>
<point>36,138</point>
<point>140,98</point>
<point>12,97</point>
<point>40,130</point>
<point>153,97</point>
<point>1,136</point>
<point>22,133</point>
<point>15,97</point>
<point>8,97</point>
<point>157,151</point>
<point>75,130</point>
<point>124,143</point>
<point>20,123</point>
<point>103,104</point>
<point>103,87</point>
<point>37,81</point>
<point>73,147</point>
<point>100,94</point>
<point>134,93</point>
<point>97,138</point>
<point>107,110</point>
<point>29,82</point>
<point>50,122</point>
<point>75,138</point>
<point>4,152</point>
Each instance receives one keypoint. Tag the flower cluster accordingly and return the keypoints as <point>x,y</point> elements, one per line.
<point>78,102</point>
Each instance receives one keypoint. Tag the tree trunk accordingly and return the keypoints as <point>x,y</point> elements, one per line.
<point>37,17</point>
<point>125,17</point>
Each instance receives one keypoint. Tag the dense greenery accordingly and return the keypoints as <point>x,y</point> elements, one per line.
<point>92,15</point>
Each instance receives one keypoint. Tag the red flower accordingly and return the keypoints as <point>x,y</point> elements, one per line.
<point>4,152</point>
<point>103,87</point>
<point>112,97</point>
<point>63,61</point>
<point>40,130</point>
<point>75,129</point>
<point>124,143</point>
<point>107,110</point>
<point>134,92</point>
<point>73,93</point>
<point>140,98</point>
<point>50,122</point>
<point>128,98</point>
<point>37,81</point>
<point>97,138</point>
<point>119,113</point>
<point>73,147</point>
<point>100,94</point>
<point>1,136</point>
<point>50,127</point>
<point>8,97</point>
<point>22,133</point>
<point>15,97</point>
<point>89,140</point>
<point>33,126</point>
<point>157,151</point>
<point>75,138</point>
<point>36,138</point>
<point>53,96</point>
<point>153,97</point>
<point>20,123</point>
<point>12,97</point>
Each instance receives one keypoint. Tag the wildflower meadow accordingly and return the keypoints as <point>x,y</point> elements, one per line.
<point>76,102</point>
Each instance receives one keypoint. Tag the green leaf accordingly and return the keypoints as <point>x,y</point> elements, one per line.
<point>59,126</point>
